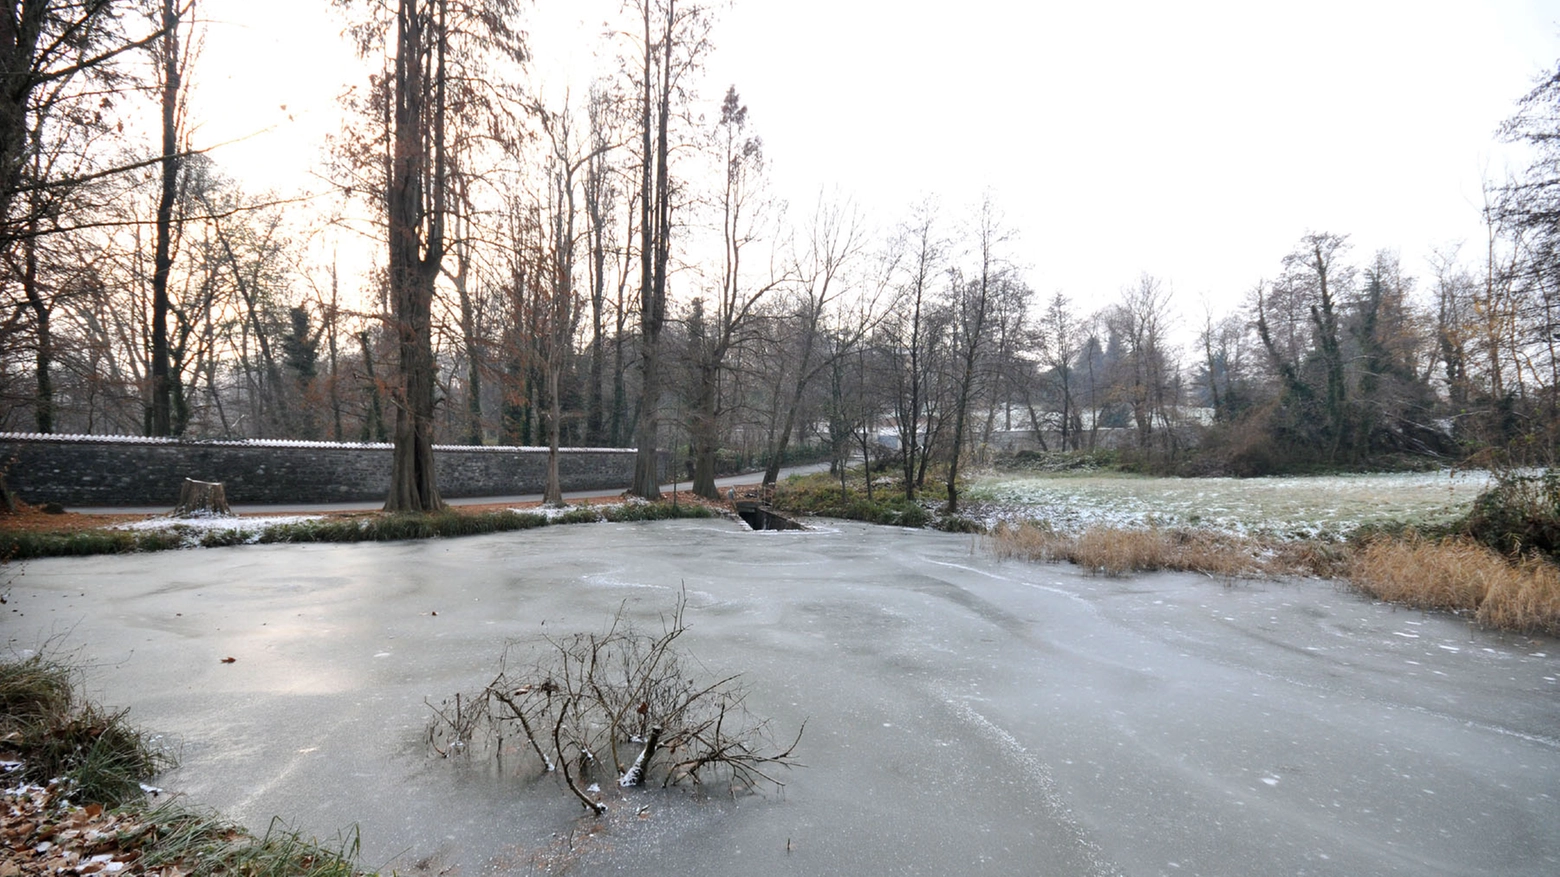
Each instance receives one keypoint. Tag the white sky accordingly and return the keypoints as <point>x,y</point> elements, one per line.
<point>1196,141</point>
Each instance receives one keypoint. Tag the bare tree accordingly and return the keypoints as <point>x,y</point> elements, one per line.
<point>44,45</point>
<point>729,320</point>
<point>560,312</point>
<point>1139,322</point>
<point>974,306</point>
<point>672,43</point>
<point>172,65</point>
<point>915,340</point>
<point>437,52</point>
<point>600,192</point>
<point>834,241</point>
<point>1059,352</point>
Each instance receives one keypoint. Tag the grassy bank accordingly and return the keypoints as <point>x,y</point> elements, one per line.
<point>822,494</point>
<point>168,534</point>
<point>75,799</point>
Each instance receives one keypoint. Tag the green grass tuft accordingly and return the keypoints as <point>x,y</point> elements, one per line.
<point>55,735</point>
<point>87,755</point>
<point>25,545</point>
<point>822,495</point>
<point>205,843</point>
<point>654,511</point>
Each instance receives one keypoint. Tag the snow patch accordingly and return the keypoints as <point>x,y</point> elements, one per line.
<point>216,522</point>
<point>196,526</point>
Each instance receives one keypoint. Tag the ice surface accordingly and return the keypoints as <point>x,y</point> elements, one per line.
<point>964,715</point>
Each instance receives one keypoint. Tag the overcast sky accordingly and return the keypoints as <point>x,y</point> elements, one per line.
<point>1195,141</point>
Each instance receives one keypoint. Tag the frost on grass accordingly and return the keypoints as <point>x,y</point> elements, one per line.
<point>195,529</point>
<point>1331,506</point>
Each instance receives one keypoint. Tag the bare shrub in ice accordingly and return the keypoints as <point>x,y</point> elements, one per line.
<point>621,701</point>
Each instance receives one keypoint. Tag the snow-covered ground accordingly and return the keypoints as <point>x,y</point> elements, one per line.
<point>1309,506</point>
<point>193,528</point>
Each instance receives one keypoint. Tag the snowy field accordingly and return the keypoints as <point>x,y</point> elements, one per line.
<point>1297,507</point>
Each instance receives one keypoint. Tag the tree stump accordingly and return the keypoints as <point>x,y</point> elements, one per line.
<point>202,499</point>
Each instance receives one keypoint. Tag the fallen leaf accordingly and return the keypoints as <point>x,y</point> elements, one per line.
<point>229,660</point>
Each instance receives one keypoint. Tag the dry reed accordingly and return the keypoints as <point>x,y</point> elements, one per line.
<point>1118,551</point>
<point>1460,575</point>
<point>1456,574</point>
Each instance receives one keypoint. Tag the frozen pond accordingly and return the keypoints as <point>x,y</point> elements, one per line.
<point>964,715</point>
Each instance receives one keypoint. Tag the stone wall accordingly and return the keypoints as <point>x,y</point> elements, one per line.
<point>121,471</point>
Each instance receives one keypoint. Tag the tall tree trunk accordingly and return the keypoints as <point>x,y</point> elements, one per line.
<point>415,187</point>
<point>561,309</point>
<point>595,402</point>
<point>43,355</point>
<point>655,244</point>
<point>964,394</point>
<point>910,417</point>
<point>704,430</point>
<point>473,342</point>
<point>161,407</point>
<point>552,493</point>
<point>953,458</point>
<point>596,242</point>
<point>332,329</point>
<point>374,417</point>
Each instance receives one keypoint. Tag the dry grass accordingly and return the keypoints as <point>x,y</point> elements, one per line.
<point>1461,575</point>
<point>1118,551</point>
<point>1028,542</point>
<point>1457,574</point>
